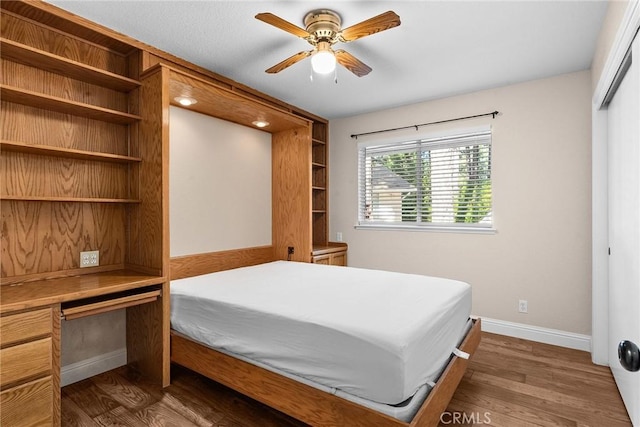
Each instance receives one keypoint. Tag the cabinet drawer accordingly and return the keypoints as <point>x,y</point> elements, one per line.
<point>28,405</point>
<point>25,361</point>
<point>23,326</point>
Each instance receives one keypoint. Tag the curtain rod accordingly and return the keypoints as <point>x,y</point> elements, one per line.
<point>493,114</point>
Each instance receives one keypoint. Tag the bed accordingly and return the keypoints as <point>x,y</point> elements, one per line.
<point>301,338</point>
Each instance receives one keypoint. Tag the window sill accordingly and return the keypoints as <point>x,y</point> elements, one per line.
<point>432,229</point>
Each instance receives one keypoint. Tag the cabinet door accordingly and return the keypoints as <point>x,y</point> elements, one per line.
<point>339,258</point>
<point>322,259</point>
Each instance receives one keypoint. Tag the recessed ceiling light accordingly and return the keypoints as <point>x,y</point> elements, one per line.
<point>185,100</point>
<point>260,123</point>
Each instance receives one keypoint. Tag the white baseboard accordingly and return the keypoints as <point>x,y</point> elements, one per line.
<point>538,334</point>
<point>87,368</point>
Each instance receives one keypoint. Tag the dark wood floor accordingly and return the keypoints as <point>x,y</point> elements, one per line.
<point>510,382</point>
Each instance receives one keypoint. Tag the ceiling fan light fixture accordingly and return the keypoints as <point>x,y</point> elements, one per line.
<point>323,29</point>
<point>323,61</point>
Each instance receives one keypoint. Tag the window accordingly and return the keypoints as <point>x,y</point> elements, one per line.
<point>437,183</point>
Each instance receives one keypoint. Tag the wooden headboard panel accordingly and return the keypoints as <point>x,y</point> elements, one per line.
<point>195,265</point>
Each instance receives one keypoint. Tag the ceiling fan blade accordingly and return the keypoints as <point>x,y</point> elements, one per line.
<point>288,62</point>
<point>382,22</point>
<point>352,63</point>
<point>287,26</point>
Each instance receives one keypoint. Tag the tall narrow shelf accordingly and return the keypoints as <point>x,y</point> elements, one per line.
<point>319,185</point>
<point>324,251</point>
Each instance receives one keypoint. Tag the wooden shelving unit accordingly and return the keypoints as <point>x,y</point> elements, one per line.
<point>75,175</point>
<point>323,251</point>
<point>319,197</point>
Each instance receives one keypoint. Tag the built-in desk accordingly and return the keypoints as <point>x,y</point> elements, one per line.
<point>30,317</point>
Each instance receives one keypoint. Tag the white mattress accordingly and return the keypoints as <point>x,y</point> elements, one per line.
<point>372,334</point>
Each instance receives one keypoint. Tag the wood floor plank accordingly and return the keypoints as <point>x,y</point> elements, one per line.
<point>123,391</point>
<point>119,417</point>
<point>580,405</point>
<point>160,415</point>
<point>469,395</point>
<point>479,414</point>
<point>86,395</point>
<point>514,382</point>
<point>74,416</point>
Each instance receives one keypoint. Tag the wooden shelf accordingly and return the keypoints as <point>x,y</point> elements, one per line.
<point>46,150</point>
<point>317,141</point>
<point>29,294</point>
<point>319,211</point>
<point>65,106</point>
<point>318,165</point>
<point>68,199</point>
<point>27,55</point>
<point>315,187</point>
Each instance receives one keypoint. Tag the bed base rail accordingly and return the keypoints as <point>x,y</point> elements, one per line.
<point>308,404</point>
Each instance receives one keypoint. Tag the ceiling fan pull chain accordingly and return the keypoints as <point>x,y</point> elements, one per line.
<point>335,75</point>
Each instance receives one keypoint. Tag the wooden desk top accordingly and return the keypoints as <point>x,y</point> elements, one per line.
<point>26,295</point>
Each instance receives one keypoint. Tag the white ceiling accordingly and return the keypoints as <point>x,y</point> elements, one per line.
<point>442,48</point>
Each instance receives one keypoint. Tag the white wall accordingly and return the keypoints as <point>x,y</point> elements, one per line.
<point>219,184</point>
<point>220,198</point>
<point>542,202</point>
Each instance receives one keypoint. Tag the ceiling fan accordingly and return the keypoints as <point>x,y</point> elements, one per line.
<point>323,30</point>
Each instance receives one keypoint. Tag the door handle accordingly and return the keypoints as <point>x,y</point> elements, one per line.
<point>629,356</point>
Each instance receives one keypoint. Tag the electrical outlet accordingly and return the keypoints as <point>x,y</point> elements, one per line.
<point>89,259</point>
<point>339,236</point>
<point>523,306</point>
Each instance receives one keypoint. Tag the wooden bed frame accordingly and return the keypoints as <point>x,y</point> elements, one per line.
<point>301,401</point>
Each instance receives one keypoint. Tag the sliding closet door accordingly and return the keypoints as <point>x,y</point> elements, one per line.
<point>624,235</point>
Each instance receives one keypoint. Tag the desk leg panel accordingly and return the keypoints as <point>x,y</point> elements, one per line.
<point>148,338</point>
<point>55,374</point>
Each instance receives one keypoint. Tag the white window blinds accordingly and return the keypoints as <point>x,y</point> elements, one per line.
<point>436,182</point>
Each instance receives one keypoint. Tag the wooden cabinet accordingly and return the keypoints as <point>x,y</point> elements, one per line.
<point>30,368</point>
<point>332,254</point>
<point>75,175</point>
